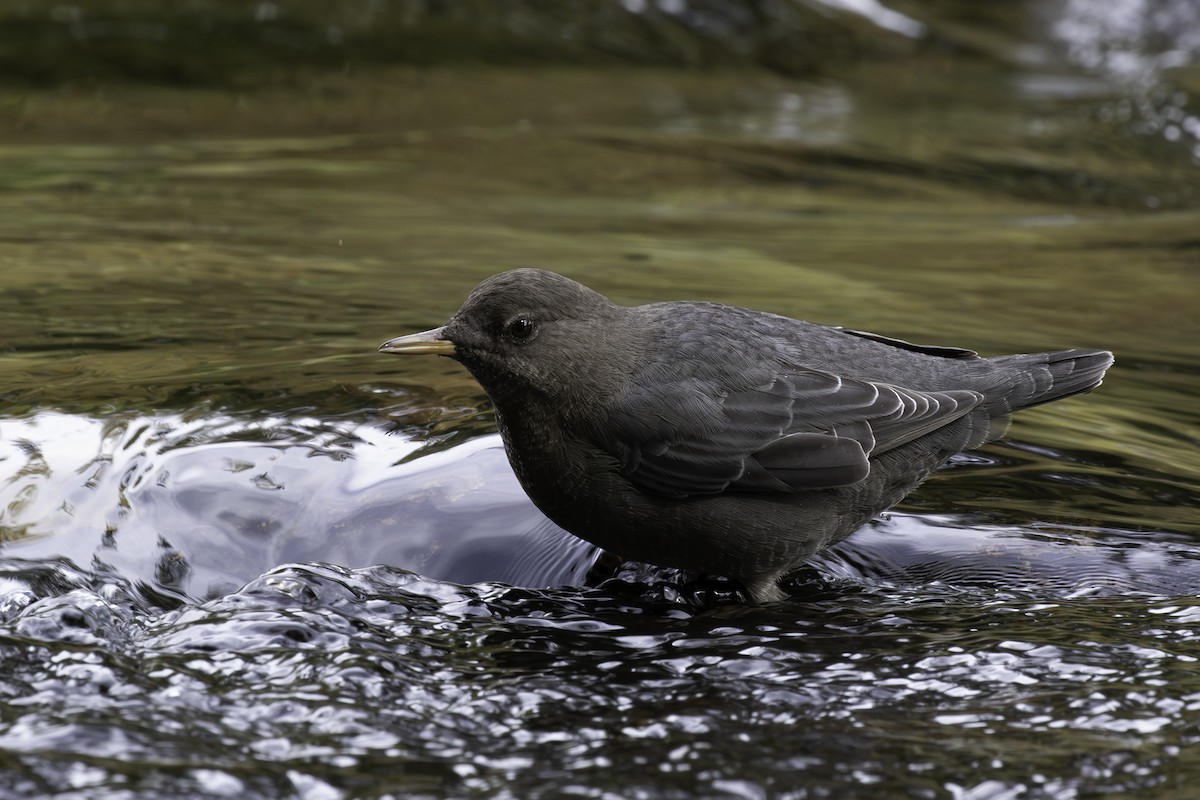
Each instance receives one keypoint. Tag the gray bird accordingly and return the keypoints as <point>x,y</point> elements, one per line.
<point>720,439</point>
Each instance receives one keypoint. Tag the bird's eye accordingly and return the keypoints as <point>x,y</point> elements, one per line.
<point>521,328</point>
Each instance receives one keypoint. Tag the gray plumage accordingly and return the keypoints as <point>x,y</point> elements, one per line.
<point>717,438</point>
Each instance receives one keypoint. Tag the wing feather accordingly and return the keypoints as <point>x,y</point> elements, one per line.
<point>802,429</point>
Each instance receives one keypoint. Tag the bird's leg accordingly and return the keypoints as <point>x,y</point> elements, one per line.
<point>765,589</point>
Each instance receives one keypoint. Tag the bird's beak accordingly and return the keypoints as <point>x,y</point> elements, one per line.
<point>432,342</point>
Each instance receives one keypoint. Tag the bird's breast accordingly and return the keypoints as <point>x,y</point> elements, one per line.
<point>563,473</point>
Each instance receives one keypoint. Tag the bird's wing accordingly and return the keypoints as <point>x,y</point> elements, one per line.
<point>804,429</point>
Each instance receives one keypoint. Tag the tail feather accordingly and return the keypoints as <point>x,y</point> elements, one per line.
<point>1025,381</point>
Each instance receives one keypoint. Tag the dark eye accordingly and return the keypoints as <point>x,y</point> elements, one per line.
<point>521,328</point>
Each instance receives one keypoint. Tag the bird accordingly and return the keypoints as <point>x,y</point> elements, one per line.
<point>719,439</point>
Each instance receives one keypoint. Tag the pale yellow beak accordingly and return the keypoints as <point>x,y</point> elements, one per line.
<point>432,342</point>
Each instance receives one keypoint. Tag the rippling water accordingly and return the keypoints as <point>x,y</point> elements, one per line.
<point>241,554</point>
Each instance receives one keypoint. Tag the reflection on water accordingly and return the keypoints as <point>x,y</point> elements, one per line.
<point>193,508</point>
<point>241,554</point>
<point>964,556</point>
<point>1135,42</point>
<point>821,116</point>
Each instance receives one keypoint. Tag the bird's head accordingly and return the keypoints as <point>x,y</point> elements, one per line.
<point>532,332</point>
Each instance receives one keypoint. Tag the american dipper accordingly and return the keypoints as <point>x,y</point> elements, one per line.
<point>720,439</point>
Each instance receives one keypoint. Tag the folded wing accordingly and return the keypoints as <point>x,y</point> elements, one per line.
<point>802,429</point>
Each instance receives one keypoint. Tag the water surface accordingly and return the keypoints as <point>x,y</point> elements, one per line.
<point>243,554</point>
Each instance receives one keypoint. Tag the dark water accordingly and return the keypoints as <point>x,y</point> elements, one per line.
<point>246,556</point>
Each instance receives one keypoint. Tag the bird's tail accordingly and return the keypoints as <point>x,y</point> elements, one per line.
<point>1044,377</point>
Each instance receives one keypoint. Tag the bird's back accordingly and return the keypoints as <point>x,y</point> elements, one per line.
<point>738,348</point>
<point>1008,383</point>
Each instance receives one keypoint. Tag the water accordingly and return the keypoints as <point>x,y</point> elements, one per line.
<point>245,555</point>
